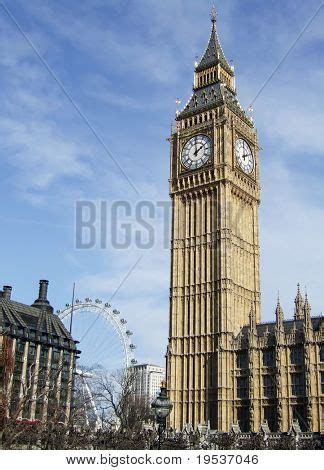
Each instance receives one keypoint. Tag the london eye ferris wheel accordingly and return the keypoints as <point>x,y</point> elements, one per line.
<point>105,340</point>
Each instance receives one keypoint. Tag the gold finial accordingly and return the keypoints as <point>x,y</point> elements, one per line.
<point>213,14</point>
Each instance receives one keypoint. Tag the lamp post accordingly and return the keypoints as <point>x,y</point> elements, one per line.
<point>162,408</point>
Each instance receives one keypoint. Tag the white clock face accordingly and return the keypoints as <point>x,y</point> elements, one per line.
<point>244,156</point>
<point>196,152</point>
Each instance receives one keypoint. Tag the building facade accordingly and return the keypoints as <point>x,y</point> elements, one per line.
<point>37,360</point>
<point>224,367</point>
<point>148,379</point>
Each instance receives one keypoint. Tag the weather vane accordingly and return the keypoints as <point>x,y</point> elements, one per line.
<point>213,14</point>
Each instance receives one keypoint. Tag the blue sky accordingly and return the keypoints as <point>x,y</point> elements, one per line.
<point>124,63</point>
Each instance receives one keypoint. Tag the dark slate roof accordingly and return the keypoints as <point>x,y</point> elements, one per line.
<point>210,96</point>
<point>289,325</point>
<point>14,315</point>
<point>213,54</point>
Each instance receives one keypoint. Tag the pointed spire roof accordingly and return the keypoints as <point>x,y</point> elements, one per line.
<point>214,53</point>
<point>279,312</point>
<point>307,307</point>
<point>307,316</point>
<point>299,297</point>
<point>299,304</point>
<point>215,87</point>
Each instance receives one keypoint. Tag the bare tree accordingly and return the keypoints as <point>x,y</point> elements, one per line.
<point>119,406</point>
<point>51,430</point>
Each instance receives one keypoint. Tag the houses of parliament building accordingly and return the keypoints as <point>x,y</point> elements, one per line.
<point>224,366</point>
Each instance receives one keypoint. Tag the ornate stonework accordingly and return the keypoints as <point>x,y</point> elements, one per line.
<point>215,368</point>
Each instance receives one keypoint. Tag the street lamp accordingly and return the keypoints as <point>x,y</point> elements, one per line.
<point>162,408</point>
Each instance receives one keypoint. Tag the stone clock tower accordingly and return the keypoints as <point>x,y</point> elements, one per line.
<point>214,187</point>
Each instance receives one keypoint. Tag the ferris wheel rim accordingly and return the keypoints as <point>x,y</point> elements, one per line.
<point>112,316</point>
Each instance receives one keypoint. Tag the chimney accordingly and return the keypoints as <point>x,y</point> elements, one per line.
<point>42,295</point>
<point>42,301</point>
<point>6,292</point>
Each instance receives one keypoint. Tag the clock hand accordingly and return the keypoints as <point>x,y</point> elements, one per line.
<point>195,153</point>
<point>198,150</point>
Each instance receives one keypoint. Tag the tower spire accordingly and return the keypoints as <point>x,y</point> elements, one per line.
<point>214,80</point>
<point>279,312</point>
<point>213,15</point>
<point>279,331</point>
<point>307,307</point>
<point>307,314</point>
<point>214,58</point>
<point>299,305</point>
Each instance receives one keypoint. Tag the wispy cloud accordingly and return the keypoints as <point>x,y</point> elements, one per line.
<point>40,153</point>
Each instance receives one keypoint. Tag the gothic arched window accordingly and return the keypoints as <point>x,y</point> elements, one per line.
<point>321,353</point>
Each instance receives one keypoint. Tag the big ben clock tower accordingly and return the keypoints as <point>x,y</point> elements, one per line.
<point>214,187</point>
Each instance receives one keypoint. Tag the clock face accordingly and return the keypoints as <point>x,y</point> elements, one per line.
<point>196,151</point>
<point>244,156</point>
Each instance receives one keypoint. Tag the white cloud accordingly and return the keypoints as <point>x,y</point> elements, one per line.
<point>40,154</point>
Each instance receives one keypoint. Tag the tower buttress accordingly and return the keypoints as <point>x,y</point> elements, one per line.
<point>253,321</point>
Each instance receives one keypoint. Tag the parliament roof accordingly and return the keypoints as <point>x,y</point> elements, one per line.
<point>35,322</point>
<point>288,325</point>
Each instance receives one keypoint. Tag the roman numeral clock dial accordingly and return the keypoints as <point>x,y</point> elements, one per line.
<point>244,156</point>
<point>196,152</point>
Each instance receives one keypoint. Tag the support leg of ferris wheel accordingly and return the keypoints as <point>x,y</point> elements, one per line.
<point>84,393</point>
<point>98,424</point>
